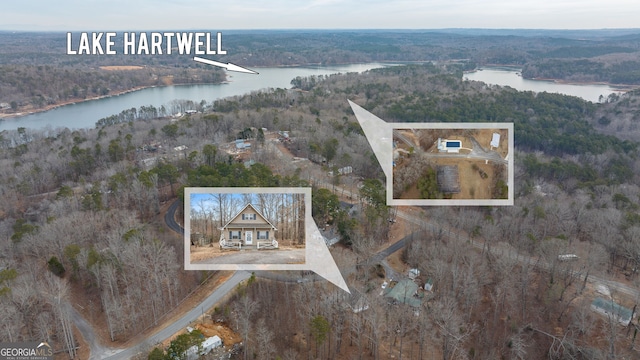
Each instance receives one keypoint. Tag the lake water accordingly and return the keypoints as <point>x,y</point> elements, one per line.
<point>512,78</point>
<point>85,114</point>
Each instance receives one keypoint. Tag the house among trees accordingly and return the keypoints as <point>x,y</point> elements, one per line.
<point>406,292</point>
<point>413,273</point>
<point>610,308</point>
<point>357,302</point>
<point>242,145</point>
<point>248,228</point>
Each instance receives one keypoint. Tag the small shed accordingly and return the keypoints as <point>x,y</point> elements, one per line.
<point>495,140</point>
<point>428,285</point>
<point>448,179</point>
<point>414,273</point>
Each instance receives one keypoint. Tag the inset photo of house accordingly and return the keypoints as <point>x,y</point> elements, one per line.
<point>245,225</point>
<point>452,164</point>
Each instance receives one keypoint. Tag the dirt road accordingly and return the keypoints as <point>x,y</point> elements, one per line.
<point>293,256</point>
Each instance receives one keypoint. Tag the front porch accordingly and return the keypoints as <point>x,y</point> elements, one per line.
<point>239,244</point>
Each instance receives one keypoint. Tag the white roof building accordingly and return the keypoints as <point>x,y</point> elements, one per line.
<point>450,146</point>
<point>211,343</point>
<point>495,140</point>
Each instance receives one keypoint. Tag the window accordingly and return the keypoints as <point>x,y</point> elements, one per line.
<point>248,216</point>
<point>234,234</point>
<point>263,235</point>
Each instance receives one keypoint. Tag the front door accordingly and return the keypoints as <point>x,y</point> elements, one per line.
<point>248,237</point>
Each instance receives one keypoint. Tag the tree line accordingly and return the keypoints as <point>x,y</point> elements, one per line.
<point>584,70</point>
<point>32,81</point>
<point>34,87</point>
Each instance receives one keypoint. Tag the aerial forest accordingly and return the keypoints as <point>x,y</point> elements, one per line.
<point>82,222</point>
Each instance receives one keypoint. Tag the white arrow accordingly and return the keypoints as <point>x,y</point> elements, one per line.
<point>228,66</point>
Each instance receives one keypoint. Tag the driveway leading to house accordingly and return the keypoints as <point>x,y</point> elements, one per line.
<point>280,256</point>
<point>179,324</point>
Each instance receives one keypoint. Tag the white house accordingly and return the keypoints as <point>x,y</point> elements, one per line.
<point>248,228</point>
<point>211,343</point>
<point>449,146</point>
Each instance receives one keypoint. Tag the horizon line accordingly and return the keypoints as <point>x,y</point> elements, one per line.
<point>327,29</point>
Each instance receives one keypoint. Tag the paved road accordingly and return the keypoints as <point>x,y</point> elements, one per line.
<point>170,219</point>
<point>87,333</point>
<point>101,352</point>
<point>184,321</point>
<point>406,140</point>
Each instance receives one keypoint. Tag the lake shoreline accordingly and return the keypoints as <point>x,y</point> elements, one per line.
<point>30,111</point>
<point>618,87</point>
<point>518,70</point>
<point>78,101</point>
<point>27,112</point>
<point>87,112</point>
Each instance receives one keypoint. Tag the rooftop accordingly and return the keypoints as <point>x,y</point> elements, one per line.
<point>404,292</point>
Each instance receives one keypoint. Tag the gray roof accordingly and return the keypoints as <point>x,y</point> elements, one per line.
<point>403,292</point>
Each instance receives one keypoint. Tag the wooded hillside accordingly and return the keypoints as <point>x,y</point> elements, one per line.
<point>35,70</point>
<point>79,218</point>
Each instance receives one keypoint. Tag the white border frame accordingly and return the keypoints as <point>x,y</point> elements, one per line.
<point>309,226</point>
<point>456,202</point>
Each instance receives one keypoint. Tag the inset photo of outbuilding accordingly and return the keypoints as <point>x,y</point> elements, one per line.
<point>452,164</point>
<point>245,225</point>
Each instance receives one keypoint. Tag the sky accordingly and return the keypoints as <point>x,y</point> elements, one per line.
<point>119,15</point>
<point>207,202</point>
